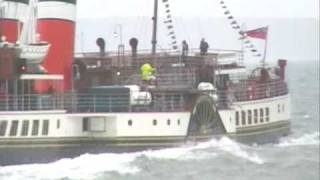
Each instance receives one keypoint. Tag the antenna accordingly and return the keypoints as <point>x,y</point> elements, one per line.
<point>1,16</point>
<point>155,24</point>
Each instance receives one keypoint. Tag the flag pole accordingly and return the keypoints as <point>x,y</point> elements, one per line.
<point>265,48</point>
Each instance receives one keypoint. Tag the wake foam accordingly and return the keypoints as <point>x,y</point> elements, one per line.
<point>87,166</point>
<point>91,166</point>
<point>305,140</point>
<point>234,148</point>
<point>224,144</point>
<point>307,116</point>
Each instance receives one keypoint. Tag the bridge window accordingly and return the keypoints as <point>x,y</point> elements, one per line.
<point>249,117</point>
<point>261,116</point>
<point>237,118</point>
<point>3,127</point>
<point>14,128</point>
<point>243,118</point>
<point>45,127</point>
<point>25,128</point>
<point>130,122</point>
<point>255,116</point>
<point>267,115</point>
<point>35,128</point>
<point>154,122</point>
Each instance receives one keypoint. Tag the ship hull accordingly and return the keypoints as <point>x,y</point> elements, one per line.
<point>31,151</point>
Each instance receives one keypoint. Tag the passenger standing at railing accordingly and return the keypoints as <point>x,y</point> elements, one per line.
<point>185,48</point>
<point>204,46</point>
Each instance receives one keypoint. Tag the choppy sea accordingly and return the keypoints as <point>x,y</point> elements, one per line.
<point>295,157</point>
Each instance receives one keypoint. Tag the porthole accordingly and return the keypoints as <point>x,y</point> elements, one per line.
<point>168,122</point>
<point>154,122</point>
<point>130,122</point>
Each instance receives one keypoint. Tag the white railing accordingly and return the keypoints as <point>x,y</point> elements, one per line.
<point>89,103</point>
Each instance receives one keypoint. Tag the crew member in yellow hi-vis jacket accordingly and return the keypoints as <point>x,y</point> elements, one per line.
<point>147,72</point>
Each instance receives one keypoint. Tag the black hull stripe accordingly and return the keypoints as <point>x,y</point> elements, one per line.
<point>66,1</point>
<point>55,19</point>
<point>9,19</point>
<point>18,1</point>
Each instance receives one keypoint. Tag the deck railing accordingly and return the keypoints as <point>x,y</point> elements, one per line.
<point>251,90</point>
<point>80,103</point>
<point>247,90</point>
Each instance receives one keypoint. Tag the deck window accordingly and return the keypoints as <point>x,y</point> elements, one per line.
<point>25,128</point>
<point>85,124</point>
<point>279,108</point>
<point>58,124</point>
<point>14,128</point>
<point>237,118</point>
<point>3,127</point>
<point>168,122</point>
<point>249,117</point>
<point>45,127</point>
<point>267,115</point>
<point>255,116</point>
<point>154,122</point>
<point>35,128</point>
<point>261,116</point>
<point>243,118</point>
<point>178,122</point>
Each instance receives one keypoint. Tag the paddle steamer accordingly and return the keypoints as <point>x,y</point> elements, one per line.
<point>97,102</point>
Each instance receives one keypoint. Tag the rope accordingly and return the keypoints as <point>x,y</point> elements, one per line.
<point>236,26</point>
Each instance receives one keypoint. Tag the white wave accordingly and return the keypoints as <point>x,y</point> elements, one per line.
<point>87,166</point>
<point>306,116</point>
<point>234,148</point>
<point>90,166</point>
<point>305,140</point>
<point>187,153</point>
<point>180,153</point>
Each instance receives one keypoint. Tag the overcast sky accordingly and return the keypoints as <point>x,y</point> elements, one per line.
<point>208,8</point>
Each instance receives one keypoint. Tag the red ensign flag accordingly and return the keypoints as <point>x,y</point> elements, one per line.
<point>260,33</point>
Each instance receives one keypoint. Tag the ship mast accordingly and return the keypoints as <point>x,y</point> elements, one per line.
<point>155,24</point>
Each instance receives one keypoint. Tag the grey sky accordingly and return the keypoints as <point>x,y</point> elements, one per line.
<point>208,8</point>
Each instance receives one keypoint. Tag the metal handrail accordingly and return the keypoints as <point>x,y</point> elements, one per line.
<point>248,91</point>
<point>80,103</point>
<point>161,52</point>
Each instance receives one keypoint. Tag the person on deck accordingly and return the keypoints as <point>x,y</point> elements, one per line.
<point>147,72</point>
<point>204,46</point>
<point>185,48</point>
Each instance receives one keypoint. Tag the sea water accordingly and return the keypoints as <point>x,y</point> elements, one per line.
<point>294,157</point>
